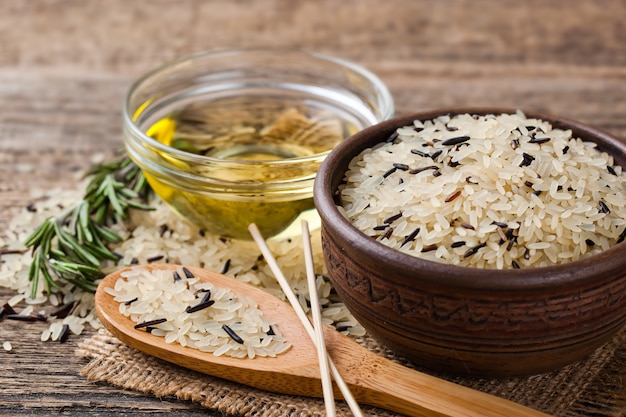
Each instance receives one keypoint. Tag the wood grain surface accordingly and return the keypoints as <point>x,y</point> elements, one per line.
<point>65,66</point>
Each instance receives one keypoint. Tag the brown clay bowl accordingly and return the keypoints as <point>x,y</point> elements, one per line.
<point>464,320</point>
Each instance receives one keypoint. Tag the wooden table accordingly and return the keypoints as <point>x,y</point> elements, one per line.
<point>66,65</point>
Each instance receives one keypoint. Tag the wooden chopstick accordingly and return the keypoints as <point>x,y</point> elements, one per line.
<point>327,385</point>
<point>293,300</point>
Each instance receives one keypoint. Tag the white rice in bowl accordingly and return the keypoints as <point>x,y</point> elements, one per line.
<point>492,191</point>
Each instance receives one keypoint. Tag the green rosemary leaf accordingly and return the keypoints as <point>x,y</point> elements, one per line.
<point>72,246</point>
<point>96,200</point>
<point>108,188</point>
<point>82,284</point>
<point>80,224</point>
<point>83,216</point>
<point>128,193</point>
<point>64,267</point>
<point>99,250</point>
<point>141,186</point>
<point>37,267</point>
<point>103,233</point>
<point>71,220</point>
<point>139,206</point>
<point>33,272</point>
<point>47,278</point>
<point>100,214</point>
<point>38,235</point>
<point>82,251</point>
<point>46,239</point>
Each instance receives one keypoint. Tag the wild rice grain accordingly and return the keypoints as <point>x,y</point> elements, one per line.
<point>206,297</point>
<point>503,236</point>
<point>455,141</point>
<point>129,302</point>
<point>603,207</point>
<point>528,159</point>
<point>24,317</point>
<point>473,250</point>
<point>436,154</point>
<point>387,234</point>
<point>411,237</point>
<point>392,219</point>
<point>452,196</point>
<point>200,306</point>
<point>539,140</point>
<point>389,172</point>
<point>8,309</point>
<point>63,311</point>
<point>226,267</point>
<point>418,170</point>
<point>232,334</point>
<point>65,333</point>
<point>5,251</point>
<point>429,248</point>
<point>392,137</point>
<point>512,241</point>
<point>420,153</point>
<point>149,323</point>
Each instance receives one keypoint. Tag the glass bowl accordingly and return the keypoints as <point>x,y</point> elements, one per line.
<point>233,137</point>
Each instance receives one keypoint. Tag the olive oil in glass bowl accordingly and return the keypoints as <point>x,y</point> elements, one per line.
<point>232,137</point>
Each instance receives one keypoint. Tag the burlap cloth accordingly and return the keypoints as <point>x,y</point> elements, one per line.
<point>592,387</point>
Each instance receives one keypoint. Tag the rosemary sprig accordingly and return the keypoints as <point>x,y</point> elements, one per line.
<point>72,246</point>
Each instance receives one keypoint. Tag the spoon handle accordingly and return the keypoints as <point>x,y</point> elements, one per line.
<point>380,382</point>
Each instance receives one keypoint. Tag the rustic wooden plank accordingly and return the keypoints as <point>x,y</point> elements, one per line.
<point>66,64</point>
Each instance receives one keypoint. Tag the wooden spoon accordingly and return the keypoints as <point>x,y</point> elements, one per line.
<point>372,379</point>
